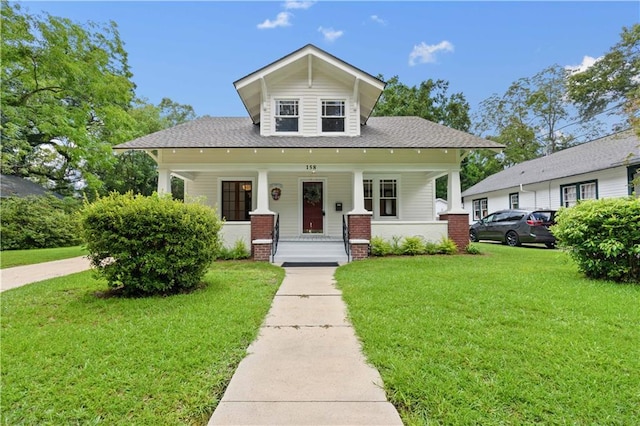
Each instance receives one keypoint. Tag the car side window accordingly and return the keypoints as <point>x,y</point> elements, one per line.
<point>500,217</point>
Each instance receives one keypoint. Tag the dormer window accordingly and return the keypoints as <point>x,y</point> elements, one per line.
<point>333,115</point>
<point>286,115</point>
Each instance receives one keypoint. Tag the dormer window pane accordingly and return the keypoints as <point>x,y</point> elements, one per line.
<point>286,116</point>
<point>333,116</point>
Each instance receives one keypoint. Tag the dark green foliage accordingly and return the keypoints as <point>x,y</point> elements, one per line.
<point>150,245</point>
<point>239,251</point>
<point>412,246</point>
<point>603,237</point>
<point>39,222</point>
<point>380,247</point>
<point>472,249</point>
<point>611,81</point>
<point>447,246</point>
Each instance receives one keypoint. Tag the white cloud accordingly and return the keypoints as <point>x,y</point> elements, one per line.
<point>293,4</point>
<point>587,62</point>
<point>379,20</point>
<point>330,34</point>
<point>282,20</point>
<point>426,53</point>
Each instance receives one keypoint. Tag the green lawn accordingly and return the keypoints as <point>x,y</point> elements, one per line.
<point>70,357</point>
<point>9,258</point>
<point>515,336</point>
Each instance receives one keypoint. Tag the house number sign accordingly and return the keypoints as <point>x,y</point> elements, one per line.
<point>312,167</point>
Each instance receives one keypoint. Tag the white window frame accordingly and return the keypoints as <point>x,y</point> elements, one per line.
<point>376,181</point>
<point>571,193</point>
<point>322,116</point>
<point>276,115</point>
<point>514,200</point>
<point>480,208</point>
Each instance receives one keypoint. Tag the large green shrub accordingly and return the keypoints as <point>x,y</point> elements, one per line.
<point>603,237</point>
<point>150,244</point>
<point>38,222</point>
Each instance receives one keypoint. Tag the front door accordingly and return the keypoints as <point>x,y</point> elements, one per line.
<point>312,208</point>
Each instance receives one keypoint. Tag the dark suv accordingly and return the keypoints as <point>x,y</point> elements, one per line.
<point>515,226</point>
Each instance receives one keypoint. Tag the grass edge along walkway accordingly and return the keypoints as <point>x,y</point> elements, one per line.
<point>515,336</point>
<point>11,258</point>
<point>70,357</point>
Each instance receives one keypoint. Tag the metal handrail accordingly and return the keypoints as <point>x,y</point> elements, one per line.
<point>275,236</point>
<point>345,234</point>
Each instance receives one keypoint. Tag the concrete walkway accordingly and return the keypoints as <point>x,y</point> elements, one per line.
<point>21,275</point>
<point>306,366</point>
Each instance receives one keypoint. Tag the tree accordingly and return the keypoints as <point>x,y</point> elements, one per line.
<point>611,83</point>
<point>430,101</point>
<point>65,93</point>
<point>531,117</point>
<point>136,171</point>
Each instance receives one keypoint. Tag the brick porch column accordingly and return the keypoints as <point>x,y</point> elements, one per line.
<point>457,228</point>
<point>359,235</point>
<point>261,236</point>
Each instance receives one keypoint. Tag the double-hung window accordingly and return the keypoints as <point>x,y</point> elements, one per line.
<point>381,197</point>
<point>514,200</point>
<point>480,208</point>
<point>287,115</point>
<point>572,193</point>
<point>388,198</point>
<point>333,116</point>
<point>368,194</point>
<point>236,200</point>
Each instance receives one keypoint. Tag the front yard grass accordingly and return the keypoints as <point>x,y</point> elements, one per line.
<point>70,357</point>
<point>515,336</point>
<point>10,258</point>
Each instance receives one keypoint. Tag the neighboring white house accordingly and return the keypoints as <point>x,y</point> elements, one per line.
<point>602,168</point>
<point>309,162</point>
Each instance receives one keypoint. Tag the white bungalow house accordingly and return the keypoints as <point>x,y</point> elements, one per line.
<point>309,164</point>
<point>602,168</point>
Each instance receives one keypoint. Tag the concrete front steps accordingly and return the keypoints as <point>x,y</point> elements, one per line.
<point>310,250</point>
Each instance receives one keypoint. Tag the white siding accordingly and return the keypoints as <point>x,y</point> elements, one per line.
<point>415,200</point>
<point>337,188</point>
<point>236,231</point>
<point>611,183</point>
<point>296,86</point>
<point>431,231</point>
<point>416,197</point>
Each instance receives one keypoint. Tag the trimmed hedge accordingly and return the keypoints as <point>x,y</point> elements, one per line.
<point>39,222</point>
<point>603,237</point>
<point>150,244</point>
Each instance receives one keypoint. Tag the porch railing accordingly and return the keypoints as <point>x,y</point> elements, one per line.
<point>275,236</point>
<point>345,234</point>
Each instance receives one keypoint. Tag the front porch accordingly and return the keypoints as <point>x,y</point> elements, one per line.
<point>265,204</point>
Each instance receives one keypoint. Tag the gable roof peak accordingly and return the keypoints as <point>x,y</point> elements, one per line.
<point>252,88</point>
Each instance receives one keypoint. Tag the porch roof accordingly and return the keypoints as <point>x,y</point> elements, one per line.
<point>379,132</point>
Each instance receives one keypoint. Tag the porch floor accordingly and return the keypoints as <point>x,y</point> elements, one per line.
<point>310,248</point>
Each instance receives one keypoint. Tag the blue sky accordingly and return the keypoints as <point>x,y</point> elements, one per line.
<point>192,52</point>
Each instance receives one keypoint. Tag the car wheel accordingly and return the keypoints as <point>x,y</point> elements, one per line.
<point>550,245</point>
<point>473,236</point>
<point>512,239</point>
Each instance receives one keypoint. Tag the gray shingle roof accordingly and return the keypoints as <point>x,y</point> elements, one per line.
<point>604,153</point>
<point>15,186</point>
<point>240,132</point>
